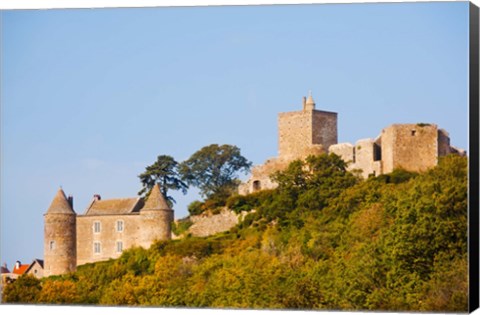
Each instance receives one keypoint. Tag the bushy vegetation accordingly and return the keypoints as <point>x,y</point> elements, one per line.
<point>181,226</point>
<point>323,239</point>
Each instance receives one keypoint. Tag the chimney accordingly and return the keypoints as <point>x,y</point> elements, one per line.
<point>70,200</point>
<point>97,197</point>
<point>304,102</point>
<point>17,264</point>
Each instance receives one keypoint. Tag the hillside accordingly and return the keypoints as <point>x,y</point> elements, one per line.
<point>324,239</point>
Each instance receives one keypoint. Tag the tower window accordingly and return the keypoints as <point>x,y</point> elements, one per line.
<point>97,248</point>
<point>377,152</point>
<point>52,245</point>
<point>257,185</point>
<point>119,226</point>
<point>96,227</point>
<point>119,247</point>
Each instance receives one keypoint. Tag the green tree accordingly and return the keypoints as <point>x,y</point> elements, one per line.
<point>24,290</point>
<point>58,292</point>
<point>165,173</point>
<point>213,169</point>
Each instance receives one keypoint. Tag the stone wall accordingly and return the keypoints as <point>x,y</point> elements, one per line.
<point>387,140</point>
<point>443,143</point>
<point>300,134</point>
<point>343,150</point>
<point>209,224</point>
<point>59,243</point>
<point>363,158</point>
<point>138,229</point>
<point>305,132</point>
<point>294,134</point>
<point>36,270</point>
<point>413,147</point>
<point>107,237</point>
<point>260,177</point>
<point>366,158</point>
<point>155,225</point>
<point>324,128</point>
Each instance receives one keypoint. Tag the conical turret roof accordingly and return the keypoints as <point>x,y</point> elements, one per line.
<point>156,200</point>
<point>60,204</point>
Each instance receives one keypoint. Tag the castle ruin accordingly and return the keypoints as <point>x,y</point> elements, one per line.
<point>412,147</point>
<point>300,134</point>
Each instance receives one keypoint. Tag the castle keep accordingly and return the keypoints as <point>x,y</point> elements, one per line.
<point>305,132</point>
<point>105,229</point>
<point>300,134</point>
<point>412,147</point>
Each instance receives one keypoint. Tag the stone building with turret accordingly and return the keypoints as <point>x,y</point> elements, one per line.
<point>412,147</point>
<point>300,134</point>
<point>103,231</point>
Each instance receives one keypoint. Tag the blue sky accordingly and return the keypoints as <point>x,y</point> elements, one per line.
<point>91,96</point>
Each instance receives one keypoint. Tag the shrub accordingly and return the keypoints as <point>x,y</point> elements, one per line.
<point>23,290</point>
<point>180,227</point>
<point>396,177</point>
<point>195,208</point>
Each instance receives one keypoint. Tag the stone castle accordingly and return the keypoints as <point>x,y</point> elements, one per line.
<point>412,147</point>
<point>108,227</point>
<point>105,229</point>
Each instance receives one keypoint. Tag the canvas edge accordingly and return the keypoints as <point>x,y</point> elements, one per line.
<point>473,219</point>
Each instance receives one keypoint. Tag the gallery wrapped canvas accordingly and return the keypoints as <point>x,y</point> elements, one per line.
<point>319,157</point>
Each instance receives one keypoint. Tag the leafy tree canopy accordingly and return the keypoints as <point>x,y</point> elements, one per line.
<point>213,169</point>
<point>165,173</point>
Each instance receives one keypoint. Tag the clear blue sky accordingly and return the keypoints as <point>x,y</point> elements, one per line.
<point>90,97</point>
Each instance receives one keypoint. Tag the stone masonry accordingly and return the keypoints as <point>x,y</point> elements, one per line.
<point>300,134</point>
<point>412,147</point>
<point>104,231</point>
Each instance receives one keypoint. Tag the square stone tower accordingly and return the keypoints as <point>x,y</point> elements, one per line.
<point>413,147</point>
<point>305,132</point>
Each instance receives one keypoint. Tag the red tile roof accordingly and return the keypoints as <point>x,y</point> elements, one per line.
<point>20,270</point>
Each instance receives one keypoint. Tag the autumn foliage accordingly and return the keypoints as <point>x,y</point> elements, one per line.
<point>324,239</point>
